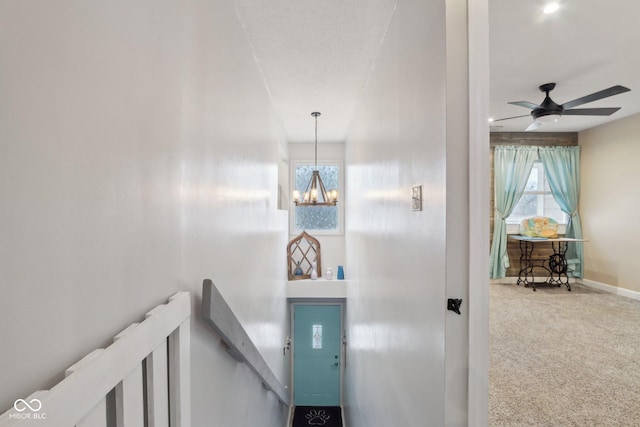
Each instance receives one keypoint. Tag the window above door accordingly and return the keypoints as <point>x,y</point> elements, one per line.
<point>317,220</point>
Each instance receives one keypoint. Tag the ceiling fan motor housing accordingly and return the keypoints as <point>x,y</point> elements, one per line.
<point>548,111</point>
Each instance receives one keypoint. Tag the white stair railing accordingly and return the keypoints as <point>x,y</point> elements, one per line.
<point>161,341</point>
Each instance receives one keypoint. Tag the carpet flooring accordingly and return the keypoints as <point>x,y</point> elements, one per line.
<point>561,358</point>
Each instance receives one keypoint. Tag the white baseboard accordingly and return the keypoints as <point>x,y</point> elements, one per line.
<point>590,283</point>
<point>612,289</point>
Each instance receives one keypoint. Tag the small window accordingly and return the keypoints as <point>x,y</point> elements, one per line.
<point>317,219</point>
<point>537,199</point>
<point>317,337</point>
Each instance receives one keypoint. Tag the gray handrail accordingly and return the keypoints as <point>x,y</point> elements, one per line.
<point>217,313</point>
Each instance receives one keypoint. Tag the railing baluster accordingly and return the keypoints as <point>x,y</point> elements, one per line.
<point>158,388</point>
<point>129,401</point>
<point>179,376</point>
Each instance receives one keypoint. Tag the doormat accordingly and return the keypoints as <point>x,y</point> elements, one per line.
<point>325,416</point>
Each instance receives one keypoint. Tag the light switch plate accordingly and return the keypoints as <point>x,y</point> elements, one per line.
<point>416,198</point>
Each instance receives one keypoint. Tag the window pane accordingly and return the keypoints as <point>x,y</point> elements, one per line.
<point>316,334</point>
<point>537,204</point>
<point>316,217</point>
<point>526,207</point>
<point>534,178</point>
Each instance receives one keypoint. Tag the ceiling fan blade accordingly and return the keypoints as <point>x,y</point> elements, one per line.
<point>590,111</point>
<point>533,126</point>
<point>514,117</point>
<point>613,90</point>
<point>525,104</point>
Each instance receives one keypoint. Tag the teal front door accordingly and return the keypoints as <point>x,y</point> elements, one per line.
<point>316,355</point>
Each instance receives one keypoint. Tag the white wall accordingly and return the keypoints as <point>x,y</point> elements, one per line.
<point>138,155</point>
<point>396,292</point>
<point>608,203</point>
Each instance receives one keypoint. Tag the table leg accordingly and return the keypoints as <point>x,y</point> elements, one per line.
<point>525,276</point>
<point>558,265</point>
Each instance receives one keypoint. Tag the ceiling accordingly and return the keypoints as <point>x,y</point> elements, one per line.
<point>317,56</point>
<point>584,47</point>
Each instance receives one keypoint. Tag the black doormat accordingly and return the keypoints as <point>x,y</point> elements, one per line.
<point>325,416</point>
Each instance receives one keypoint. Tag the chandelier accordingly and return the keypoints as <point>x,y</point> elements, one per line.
<point>315,193</point>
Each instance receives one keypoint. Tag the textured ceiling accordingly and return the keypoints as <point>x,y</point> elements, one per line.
<point>586,46</point>
<point>315,56</point>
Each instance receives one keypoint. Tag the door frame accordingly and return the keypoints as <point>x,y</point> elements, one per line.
<point>479,192</point>
<point>343,343</point>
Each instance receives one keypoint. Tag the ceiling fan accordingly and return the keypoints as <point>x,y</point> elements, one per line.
<point>549,111</point>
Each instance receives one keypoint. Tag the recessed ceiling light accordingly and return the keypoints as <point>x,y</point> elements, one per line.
<point>551,7</point>
<point>491,119</point>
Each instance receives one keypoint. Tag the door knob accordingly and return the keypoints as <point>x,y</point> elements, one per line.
<point>336,364</point>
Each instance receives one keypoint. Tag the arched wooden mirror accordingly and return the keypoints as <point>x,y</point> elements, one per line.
<point>302,251</point>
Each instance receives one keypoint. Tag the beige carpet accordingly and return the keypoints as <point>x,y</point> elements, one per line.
<point>561,358</point>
